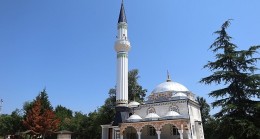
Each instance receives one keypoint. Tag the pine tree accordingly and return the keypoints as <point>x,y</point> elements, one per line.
<point>239,99</point>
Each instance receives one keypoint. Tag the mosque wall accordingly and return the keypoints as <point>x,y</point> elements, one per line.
<point>162,108</point>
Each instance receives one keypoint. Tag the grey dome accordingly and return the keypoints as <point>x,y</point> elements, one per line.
<point>134,118</point>
<point>169,86</point>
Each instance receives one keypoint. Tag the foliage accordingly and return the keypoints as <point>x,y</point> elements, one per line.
<point>204,109</point>
<point>89,126</point>
<point>10,124</point>
<point>135,91</point>
<point>239,99</point>
<point>208,122</point>
<point>65,116</point>
<point>45,103</point>
<point>40,118</point>
<point>79,124</point>
<point>43,97</point>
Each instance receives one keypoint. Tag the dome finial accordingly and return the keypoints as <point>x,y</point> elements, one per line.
<point>168,77</point>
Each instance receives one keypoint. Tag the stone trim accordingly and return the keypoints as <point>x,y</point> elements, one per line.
<point>122,55</point>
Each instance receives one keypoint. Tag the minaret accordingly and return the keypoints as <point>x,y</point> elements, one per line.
<point>122,46</point>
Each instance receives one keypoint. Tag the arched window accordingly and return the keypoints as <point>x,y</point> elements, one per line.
<point>174,131</point>
<point>151,131</point>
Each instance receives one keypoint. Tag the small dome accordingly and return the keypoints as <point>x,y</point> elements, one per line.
<point>172,113</point>
<point>134,118</point>
<point>169,86</point>
<point>152,116</point>
<point>133,104</point>
<point>179,94</point>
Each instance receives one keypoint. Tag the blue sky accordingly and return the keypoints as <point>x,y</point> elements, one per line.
<point>68,46</point>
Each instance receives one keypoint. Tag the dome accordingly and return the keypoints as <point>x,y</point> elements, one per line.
<point>152,116</point>
<point>179,94</point>
<point>133,104</point>
<point>172,113</point>
<point>134,118</point>
<point>169,86</point>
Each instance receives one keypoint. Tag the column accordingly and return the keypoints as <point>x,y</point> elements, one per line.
<point>139,135</point>
<point>158,134</point>
<point>188,133</point>
<point>181,134</point>
<point>104,131</point>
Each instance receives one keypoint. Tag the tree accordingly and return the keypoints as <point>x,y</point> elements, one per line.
<point>45,103</point>
<point>204,109</point>
<point>89,127</point>
<point>5,125</point>
<point>79,125</point>
<point>239,99</point>
<point>65,116</point>
<point>208,122</point>
<point>135,91</point>
<point>11,124</point>
<point>40,117</point>
<point>43,97</point>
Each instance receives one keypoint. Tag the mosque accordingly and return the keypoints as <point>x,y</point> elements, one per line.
<point>170,112</point>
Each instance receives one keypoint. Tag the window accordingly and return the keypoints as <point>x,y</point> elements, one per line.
<point>151,131</point>
<point>174,131</point>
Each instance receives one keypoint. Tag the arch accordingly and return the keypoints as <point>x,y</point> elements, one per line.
<point>130,133</point>
<point>144,125</point>
<point>169,131</point>
<point>149,131</point>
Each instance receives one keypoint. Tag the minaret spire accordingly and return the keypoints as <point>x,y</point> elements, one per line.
<point>122,15</point>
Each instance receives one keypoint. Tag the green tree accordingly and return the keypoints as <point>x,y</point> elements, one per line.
<point>135,91</point>
<point>239,99</point>
<point>45,103</point>
<point>79,125</point>
<point>65,116</point>
<point>105,114</point>
<point>204,109</point>
<point>43,97</point>
<point>11,124</point>
<point>5,125</point>
<point>208,122</point>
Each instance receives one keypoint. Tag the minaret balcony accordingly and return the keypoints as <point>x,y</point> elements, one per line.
<point>122,45</point>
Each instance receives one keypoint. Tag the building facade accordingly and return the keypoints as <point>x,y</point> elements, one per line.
<point>170,111</point>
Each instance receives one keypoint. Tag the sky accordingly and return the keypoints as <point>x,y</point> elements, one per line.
<point>67,46</point>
